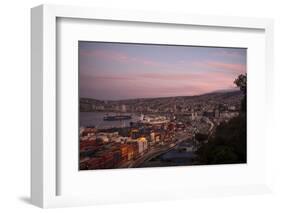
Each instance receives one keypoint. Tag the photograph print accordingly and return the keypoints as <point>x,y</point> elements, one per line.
<point>155,105</point>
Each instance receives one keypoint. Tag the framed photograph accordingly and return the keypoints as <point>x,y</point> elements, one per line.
<point>130,106</point>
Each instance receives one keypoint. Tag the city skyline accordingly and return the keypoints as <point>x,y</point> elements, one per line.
<point>119,71</point>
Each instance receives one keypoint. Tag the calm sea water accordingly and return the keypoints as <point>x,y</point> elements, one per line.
<point>96,119</point>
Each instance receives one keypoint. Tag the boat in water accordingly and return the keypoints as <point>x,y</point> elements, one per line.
<point>116,117</point>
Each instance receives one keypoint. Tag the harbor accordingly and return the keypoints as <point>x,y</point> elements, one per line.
<point>106,120</point>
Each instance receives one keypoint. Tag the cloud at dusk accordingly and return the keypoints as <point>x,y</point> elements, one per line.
<point>112,71</point>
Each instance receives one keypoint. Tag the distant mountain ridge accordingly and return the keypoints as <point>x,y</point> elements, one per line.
<point>232,98</point>
<point>222,91</point>
<point>230,92</point>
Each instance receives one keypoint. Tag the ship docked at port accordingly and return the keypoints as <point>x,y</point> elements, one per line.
<point>117,117</point>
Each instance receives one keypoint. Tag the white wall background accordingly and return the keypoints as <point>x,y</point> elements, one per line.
<point>15,104</point>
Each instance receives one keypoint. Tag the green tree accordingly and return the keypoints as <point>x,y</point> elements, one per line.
<point>241,82</point>
<point>228,145</point>
<point>201,137</point>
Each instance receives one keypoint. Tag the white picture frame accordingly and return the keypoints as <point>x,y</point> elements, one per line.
<point>44,154</point>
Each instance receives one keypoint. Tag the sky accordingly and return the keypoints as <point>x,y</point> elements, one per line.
<point>115,71</point>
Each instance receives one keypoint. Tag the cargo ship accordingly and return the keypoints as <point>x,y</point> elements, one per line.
<point>117,117</point>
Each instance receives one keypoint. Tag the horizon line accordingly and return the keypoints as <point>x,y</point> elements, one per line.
<point>215,91</point>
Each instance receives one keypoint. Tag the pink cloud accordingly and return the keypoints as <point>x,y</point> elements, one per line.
<point>119,57</point>
<point>159,78</point>
<point>192,82</point>
<point>237,68</point>
<point>229,68</point>
<point>156,84</point>
<point>114,78</point>
<point>190,77</point>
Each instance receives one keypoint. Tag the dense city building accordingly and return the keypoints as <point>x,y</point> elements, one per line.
<point>152,127</point>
